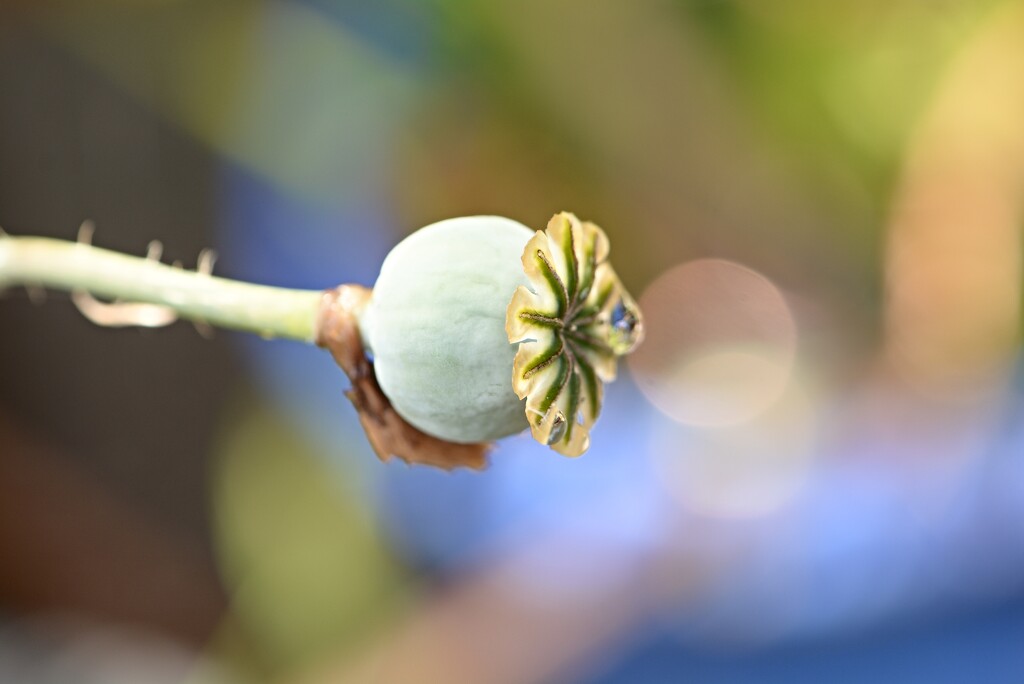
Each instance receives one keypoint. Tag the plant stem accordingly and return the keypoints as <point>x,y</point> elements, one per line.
<point>58,264</point>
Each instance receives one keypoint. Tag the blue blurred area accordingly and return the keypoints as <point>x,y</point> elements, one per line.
<point>446,521</point>
<point>292,242</point>
<point>982,645</point>
<point>278,239</point>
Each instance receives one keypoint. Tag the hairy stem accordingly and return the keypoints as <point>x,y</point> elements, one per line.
<point>266,311</point>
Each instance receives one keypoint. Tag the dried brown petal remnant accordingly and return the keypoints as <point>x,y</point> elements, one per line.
<point>390,435</point>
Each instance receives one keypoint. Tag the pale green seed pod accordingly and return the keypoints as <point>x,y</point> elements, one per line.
<point>480,327</point>
<point>435,327</point>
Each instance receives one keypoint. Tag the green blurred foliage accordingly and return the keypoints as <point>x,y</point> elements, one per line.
<point>837,83</point>
<point>308,573</point>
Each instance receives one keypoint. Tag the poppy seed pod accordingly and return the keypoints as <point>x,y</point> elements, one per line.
<point>480,327</point>
<point>435,327</point>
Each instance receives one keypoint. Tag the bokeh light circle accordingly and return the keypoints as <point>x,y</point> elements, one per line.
<point>745,470</point>
<point>720,343</point>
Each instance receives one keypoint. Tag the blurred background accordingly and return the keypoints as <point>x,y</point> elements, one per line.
<point>813,470</point>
